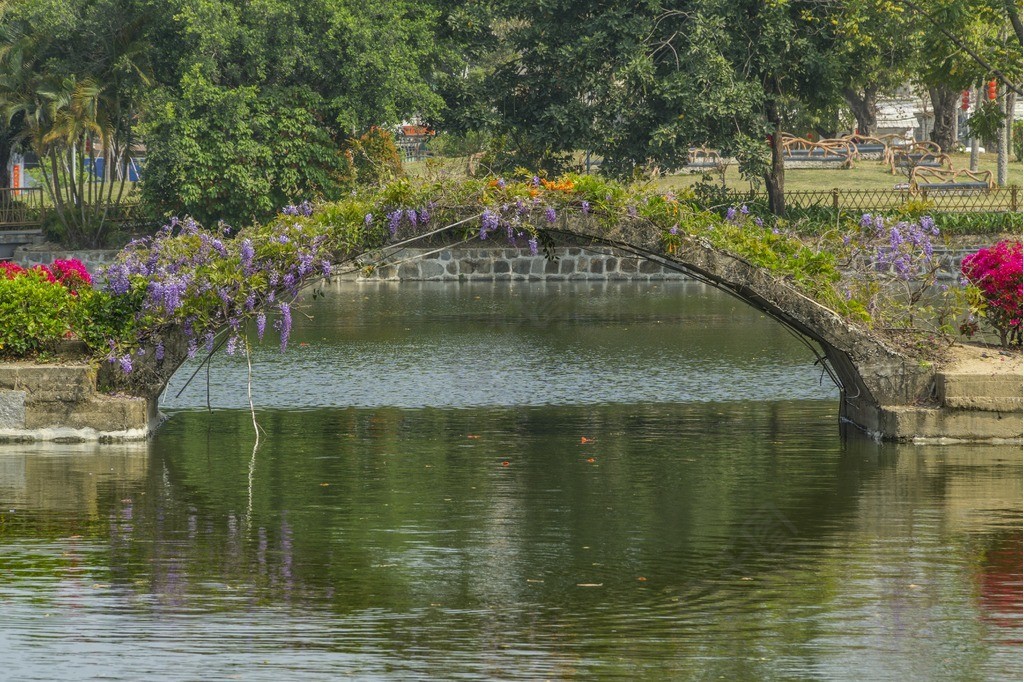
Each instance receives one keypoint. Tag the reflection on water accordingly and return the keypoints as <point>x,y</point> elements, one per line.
<point>694,538</point>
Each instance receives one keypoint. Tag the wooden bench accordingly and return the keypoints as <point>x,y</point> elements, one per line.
<point>907,161</point>
<point>703,157</point>
<point>799,150</point>
<point>946,180</point>
<point>928,154</point>
<point>864,146</point>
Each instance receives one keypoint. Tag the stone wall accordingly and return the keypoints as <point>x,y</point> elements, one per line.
<point>60,402</point>
<point>481,264</point>
<point>44,254</point>
<point>513,264</point>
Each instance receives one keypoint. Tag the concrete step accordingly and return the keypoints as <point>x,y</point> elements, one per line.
<point>981,378</point>
<point>991,392</point>
<point>910,423</point>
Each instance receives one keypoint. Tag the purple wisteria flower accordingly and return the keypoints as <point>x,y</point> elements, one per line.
<point>394,220</point>
<point>533,245</point>
<point>413,217</point>
<point>303,209</point>
<point>368,220</point>
<point>247,252</point>
<point>674,229</point>
<point>585,207</point>
<point>286,324</point>
<point>489,222</point>
<point>158,351</point>
<point>744,210</point>
<point>730,215</point>
<point>550,215</point>
<point>261,325</point>
<point>126,363</point>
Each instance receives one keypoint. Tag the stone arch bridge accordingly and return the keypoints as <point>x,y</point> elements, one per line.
<point>883,390</point>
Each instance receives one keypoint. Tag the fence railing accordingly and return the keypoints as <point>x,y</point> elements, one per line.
<point>21,208</point>
<point>26,209</point>
<point>967,200</point>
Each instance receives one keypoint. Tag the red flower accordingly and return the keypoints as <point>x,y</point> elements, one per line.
<point>72,274</point>
<point>997,271</point>
<point>10,270</point>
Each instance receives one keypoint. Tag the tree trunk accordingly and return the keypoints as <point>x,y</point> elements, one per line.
<point>865,108</point>
<point>775,178</point>
<point>1005,131</point>
<point>974,138</point>
<point>944,103</point>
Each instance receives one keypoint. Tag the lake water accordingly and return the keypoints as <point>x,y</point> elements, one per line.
<point>511,481</point>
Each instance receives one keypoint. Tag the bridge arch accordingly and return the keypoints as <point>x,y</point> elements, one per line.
<point>872,373</point>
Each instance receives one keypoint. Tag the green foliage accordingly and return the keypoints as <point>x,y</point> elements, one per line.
<point>986,122</point>
<point>1018,140</point>
<point>979,223</point>
<point>36,313</point>
<point>99,317</point>
<point>72,81</point>
<point>376,157</point>
<point>220,153</point>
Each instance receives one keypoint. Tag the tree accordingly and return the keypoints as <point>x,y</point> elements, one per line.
<point>262,108</point>
<point>875,55</point>
<point>238,155</point>
<point>71,77</point>
<point>960,44</point>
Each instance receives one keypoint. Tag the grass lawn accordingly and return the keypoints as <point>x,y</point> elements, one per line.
<point>864,175</point>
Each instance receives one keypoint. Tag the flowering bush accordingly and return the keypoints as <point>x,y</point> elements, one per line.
<point>890,267</point>
<point>44,304</point>
<point>996,273</point>
<point>201,281</point>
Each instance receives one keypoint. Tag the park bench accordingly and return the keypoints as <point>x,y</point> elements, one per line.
<point>874,147</point>
<point>907,161</point>
<point>949,180</point>
<point>807,153</point>
<point>704,158</point>
<point>926,154</point>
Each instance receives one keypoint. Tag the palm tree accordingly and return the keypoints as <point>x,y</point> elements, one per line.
<point>71,117</point>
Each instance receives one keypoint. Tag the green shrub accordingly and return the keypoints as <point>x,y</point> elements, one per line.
<point>1018,140</point>
<point>376,157</point>
<point>36,313</point>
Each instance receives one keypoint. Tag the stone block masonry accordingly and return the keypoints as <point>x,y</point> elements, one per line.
<point>60,402</point>
<point>496,264</point>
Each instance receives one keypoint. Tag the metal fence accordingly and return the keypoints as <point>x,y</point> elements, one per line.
<point>967,200</point>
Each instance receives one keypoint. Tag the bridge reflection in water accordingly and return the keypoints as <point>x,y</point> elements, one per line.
<point>689,532</point>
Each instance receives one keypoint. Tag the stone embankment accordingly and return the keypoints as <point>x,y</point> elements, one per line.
<point>977,397</point>
<point>60,402</point>
<point>479,264</point>
<point>497,264</point>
